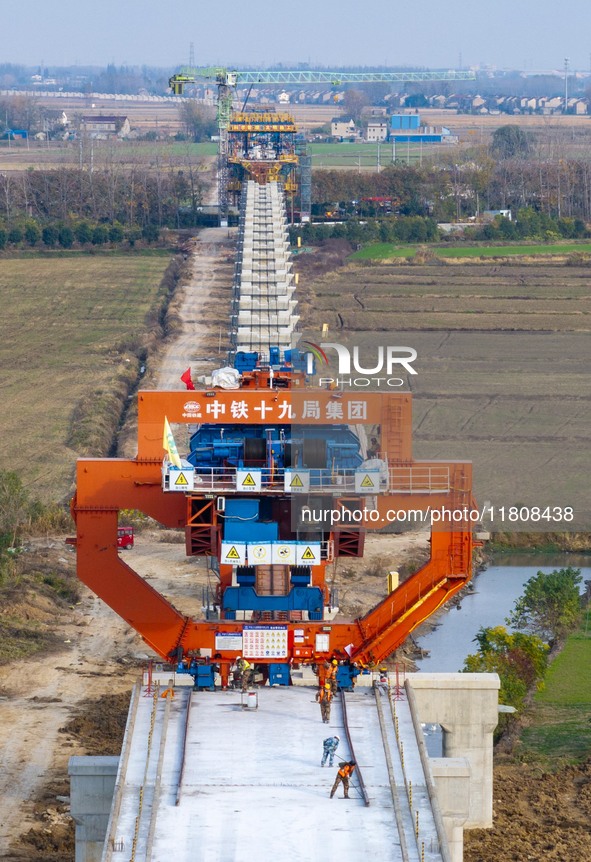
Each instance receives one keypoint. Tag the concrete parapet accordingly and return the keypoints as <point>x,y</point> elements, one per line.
<point>261,303</point>
<point>273,331</point>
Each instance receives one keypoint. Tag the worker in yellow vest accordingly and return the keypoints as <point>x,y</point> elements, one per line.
<point>246,670</point>
<point>331,675</point>
<point>324,698</point>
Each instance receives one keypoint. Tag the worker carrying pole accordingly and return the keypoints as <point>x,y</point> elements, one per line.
<point>344,774</point>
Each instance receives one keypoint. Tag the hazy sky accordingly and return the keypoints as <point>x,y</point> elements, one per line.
<point>530,34</point>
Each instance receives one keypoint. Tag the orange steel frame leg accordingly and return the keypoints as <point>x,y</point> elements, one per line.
<point>106,486</point>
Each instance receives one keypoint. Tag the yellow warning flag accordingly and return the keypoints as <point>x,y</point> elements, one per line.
<point>170,446</point>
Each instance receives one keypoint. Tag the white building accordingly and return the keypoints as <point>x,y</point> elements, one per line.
<point>340,128</point>
<point>377,130</point>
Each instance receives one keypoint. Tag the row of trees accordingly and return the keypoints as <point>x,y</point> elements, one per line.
<point>453,189</point>
<point>528,225</point>
<point>66,235</point>
<point>548,610</point>
<point>402,229</point>
<point>135,195</point>
<point>91,79</point>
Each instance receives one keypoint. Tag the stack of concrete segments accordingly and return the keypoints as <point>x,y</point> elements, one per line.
<point>264,307</point>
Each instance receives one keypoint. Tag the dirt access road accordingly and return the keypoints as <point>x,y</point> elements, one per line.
<point>99,655</point>
<point>203,306</point>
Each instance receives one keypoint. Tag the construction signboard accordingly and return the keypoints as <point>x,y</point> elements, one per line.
<point>284,553</point>
<point>259,554</point>
<point>228,641</point>
<point>264,642</point>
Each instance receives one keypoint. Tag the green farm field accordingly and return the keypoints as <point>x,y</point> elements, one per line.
<point>73,327</point>
<point>368,156</point>
<point>504,350</point>
<point>385,251</point>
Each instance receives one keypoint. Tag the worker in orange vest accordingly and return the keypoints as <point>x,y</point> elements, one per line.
<point>322,671</point>
<point>324,698</point>
<point>344,774</point>
<point>168,692</point>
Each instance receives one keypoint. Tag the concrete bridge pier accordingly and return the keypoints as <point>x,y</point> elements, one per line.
<point>92,784</point>
<point>466,707</point>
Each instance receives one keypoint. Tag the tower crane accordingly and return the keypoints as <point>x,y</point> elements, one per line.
<point>228,79</point>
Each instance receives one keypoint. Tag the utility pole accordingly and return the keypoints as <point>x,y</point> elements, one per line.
<point>565,84</point>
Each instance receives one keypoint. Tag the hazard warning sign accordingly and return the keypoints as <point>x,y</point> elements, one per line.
<point>297,481</point>
<point>259,554</point>
<point>308,554</point>
<point>367,482</point>
<point>180,480</point>
<point>233,553</point>
<point>248,480</point>
<point>283,553</point>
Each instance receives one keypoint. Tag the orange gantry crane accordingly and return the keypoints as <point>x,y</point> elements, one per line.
<point>267,492</point>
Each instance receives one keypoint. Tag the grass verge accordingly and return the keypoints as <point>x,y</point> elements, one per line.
<point>560,728</point>
<point>386,251</point>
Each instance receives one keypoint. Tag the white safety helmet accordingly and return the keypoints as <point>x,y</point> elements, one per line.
<point>337,737</point>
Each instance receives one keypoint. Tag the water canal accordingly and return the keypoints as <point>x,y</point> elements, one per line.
<point>495,592</point>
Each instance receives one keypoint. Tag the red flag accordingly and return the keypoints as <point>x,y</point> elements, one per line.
<point>186,378</point>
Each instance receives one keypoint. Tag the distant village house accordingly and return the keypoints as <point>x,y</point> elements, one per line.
<point>340,128</point>
<point>103,127</point>
<point>377,130</point>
